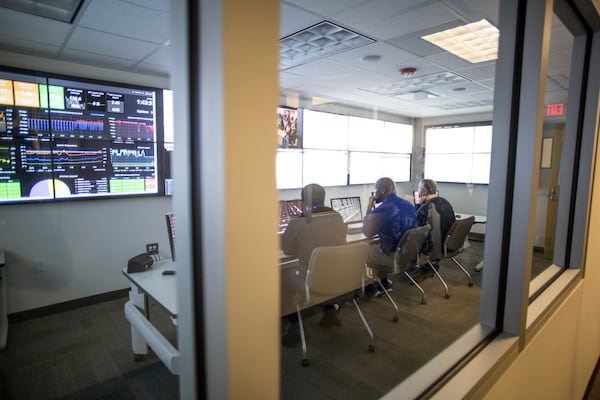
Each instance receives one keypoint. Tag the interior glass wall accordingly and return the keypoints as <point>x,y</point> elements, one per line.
<point>366,83</point>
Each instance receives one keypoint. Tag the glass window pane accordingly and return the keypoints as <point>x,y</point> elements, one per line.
<point>374,97</point>
<point>549,194</point>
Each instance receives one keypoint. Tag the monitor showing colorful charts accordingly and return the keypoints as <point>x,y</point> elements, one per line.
<point>65,138</point>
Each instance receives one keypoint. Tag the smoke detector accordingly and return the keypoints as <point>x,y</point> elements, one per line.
<point>408,72</point>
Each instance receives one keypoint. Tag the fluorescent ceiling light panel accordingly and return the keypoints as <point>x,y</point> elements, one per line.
<point>417,95</point>
<point>466,104</point>
<point>475,42</point>
<point>61,10</point>
<point>318,41</point>
<point>416,84</point>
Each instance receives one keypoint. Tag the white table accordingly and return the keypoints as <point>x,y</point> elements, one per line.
<point>479,219</point>
<point>162,289</point>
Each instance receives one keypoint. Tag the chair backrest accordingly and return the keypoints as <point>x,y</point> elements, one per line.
<point>409,247</point>
<point>457,235</point>
<point>336,270</point>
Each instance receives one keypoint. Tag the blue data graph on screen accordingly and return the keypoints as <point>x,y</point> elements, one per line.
<point>77,126</point>
<point>123,158</point>
<point>36,158</point>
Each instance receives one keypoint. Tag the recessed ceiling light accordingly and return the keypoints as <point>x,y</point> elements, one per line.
<point>417,95</point>
<point>475,42</point>
<point>317,41</point>
<point>371,58</point>
<point>425,82</point>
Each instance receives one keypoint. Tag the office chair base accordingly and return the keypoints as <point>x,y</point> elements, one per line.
<point>468,275</point>
<point>437,274</point>
<point>365,324</point>
<point>415,284</point>
<point>387,294</point>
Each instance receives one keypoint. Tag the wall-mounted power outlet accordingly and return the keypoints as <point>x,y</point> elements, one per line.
<point>152,248</point>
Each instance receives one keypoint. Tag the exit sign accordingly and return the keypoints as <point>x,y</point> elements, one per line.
<point>554,110</point>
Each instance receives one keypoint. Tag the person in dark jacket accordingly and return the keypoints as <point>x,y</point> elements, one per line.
<point>437,212</point>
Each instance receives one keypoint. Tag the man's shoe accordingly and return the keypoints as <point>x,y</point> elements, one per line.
<point>387,284</point>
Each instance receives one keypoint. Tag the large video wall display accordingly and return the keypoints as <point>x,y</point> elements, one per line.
<point>338,150</point>
<point>66,138</point>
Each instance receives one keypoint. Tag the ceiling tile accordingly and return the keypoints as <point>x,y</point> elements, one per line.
<point>97,60</point>
<point>394,18</point>
<point>293,19</point>
<point>115,17</point>
<point>39,30</point>
<point>109,45</point>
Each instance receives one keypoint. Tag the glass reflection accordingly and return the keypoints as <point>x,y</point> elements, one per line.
<point>359,120</point>
<point>549,193</point>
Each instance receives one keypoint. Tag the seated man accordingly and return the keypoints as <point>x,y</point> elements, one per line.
<point>388,216</point>
<point>318,226</point>
<point>437,212</point>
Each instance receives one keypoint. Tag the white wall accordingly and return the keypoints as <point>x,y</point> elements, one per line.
<point>83,245</point>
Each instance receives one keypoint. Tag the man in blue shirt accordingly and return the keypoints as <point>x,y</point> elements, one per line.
<point>388,216</point>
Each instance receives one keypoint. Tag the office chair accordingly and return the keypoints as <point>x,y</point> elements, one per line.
<point>406,256</point>
<point>455,242</point>
<point>334,274</point>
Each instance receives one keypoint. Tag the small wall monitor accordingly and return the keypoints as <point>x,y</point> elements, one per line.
<point>349,208</point>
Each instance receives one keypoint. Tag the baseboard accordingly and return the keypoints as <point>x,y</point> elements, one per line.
<point>67,305</point>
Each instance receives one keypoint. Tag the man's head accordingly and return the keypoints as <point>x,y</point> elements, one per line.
<point>313,195</point>
<point>383,188</point>
<point>427,187</point>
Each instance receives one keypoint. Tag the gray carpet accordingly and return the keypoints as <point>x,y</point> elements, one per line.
<point>83,354</point>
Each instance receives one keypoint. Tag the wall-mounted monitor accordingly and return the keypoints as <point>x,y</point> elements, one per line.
<point>366,168</point>
<point>459,154</point>
<point>169,139</point>
<point>325,167</point>
<point>288,166</point>
<point>323,130</point>
<point>66,138</point>
<point>289,128</point>
<point>365,134</point>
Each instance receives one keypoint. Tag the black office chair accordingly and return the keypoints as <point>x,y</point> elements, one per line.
<point>335,273</point>
<point>406,256</point>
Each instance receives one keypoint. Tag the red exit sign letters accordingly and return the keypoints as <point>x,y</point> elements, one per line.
<point>554,110</point>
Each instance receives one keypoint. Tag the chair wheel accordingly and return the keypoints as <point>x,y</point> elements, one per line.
<point>371,348</point>
<point>305,362</point>
<point>471,284</point>
<point>447,296</point>
<point>138,357</point>
<point>423,301</point>
<point>395,319</point>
